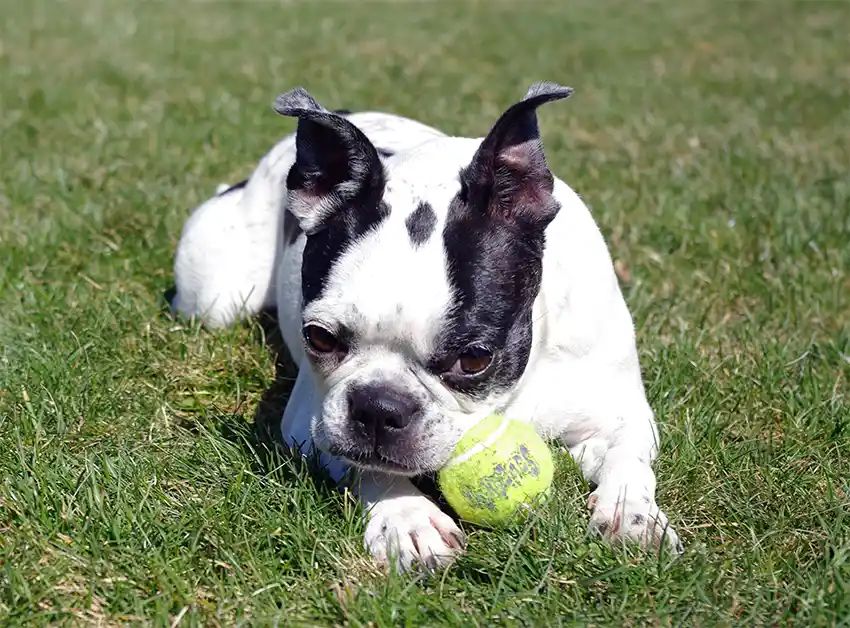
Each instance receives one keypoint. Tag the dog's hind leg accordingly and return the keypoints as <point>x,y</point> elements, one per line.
<point>224,267</point>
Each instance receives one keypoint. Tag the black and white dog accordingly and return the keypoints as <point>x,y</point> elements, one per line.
<point>423,282</point>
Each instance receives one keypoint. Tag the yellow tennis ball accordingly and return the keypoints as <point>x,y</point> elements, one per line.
<point>499,469</point>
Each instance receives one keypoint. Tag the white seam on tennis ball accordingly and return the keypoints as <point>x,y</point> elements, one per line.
<point>477,448</point>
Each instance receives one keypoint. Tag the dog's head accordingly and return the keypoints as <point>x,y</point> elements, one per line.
<point>419,276</point>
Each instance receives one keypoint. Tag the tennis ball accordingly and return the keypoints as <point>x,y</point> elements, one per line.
<point>498,470</point>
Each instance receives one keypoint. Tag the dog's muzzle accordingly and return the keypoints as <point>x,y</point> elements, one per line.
<point>382,427</point>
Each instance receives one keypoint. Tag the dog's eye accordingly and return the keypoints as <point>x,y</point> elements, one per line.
<point>474,360</point>
<point>320,339</point>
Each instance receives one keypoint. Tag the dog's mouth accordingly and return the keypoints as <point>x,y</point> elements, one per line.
<point>374,461</point>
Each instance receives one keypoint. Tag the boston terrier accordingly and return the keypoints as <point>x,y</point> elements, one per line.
<point>423,282</point>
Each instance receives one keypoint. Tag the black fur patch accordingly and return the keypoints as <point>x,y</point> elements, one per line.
<point>291,228</point>
<point>494,239</point>
<point>235,186</point>
<point>337,172</point>
<point>495,269</point>
<point>343,112</point>
<point>356,215</point>
<point>324,248</point>
<point>421,223</point>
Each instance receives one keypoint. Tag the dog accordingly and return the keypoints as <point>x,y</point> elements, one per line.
<point>423,282</point>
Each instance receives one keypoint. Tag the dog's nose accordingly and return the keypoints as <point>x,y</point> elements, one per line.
<point>381,409</point>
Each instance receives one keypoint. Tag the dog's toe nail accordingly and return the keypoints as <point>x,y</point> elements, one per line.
<point>455,540</point>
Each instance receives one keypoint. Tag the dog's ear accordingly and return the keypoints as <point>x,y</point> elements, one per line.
<point>508,178</point>
<point>335,164</point>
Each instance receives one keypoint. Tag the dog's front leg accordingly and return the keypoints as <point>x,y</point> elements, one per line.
<point>405,529</point>
<point>615,457</point>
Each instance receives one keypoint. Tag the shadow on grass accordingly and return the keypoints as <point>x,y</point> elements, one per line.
<point>262,439</point>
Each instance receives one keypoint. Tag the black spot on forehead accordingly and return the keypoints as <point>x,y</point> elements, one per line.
<point>421,223</point>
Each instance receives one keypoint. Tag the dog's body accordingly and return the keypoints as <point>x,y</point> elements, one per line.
<point>413,292</point>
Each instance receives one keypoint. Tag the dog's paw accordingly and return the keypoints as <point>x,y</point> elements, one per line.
<point>412,532</point>
<point>638,521</point>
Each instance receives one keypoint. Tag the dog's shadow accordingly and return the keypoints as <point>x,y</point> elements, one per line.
<point>262,440</point>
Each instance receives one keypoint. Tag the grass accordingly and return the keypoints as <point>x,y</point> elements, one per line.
<point>709,138</point>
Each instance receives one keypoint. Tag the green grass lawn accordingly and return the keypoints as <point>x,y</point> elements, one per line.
<point>711,140</point>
